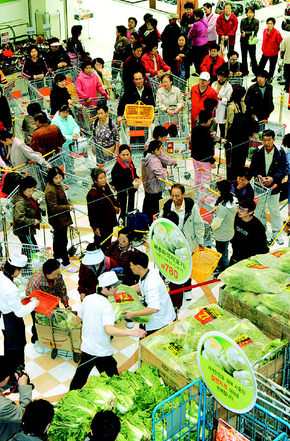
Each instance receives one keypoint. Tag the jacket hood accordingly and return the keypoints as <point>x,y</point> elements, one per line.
<point>85,76</point>
<point>149,158</point>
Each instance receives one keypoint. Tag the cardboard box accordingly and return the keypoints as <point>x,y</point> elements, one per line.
<point>272,369</point>
<point>262,321</point>
<point>61,337</point>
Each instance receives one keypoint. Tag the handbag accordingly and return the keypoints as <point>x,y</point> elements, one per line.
<point>117,209</point>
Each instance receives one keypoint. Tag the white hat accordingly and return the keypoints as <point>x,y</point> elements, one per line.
<point>108,278</point>
<point>93,257</point>
<point>18,260</point>
<point>204,76</point>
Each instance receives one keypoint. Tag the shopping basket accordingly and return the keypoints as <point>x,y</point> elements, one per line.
<point>47,302</point>
<point>204,262</point>
<point>139,114</point>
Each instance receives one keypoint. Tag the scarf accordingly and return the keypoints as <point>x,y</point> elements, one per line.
<point>124,166</point>
<point>35,206</point>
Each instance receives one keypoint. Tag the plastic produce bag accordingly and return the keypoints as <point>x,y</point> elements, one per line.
<point>127,299</point>
<point>64,319</point>
<point>42,319</point>
<point>250,275</point>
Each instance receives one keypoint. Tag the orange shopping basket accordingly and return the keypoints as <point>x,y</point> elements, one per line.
<point>139,114</point>
<point>204,262</point>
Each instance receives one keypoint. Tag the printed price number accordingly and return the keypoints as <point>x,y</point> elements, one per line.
<point>173,349</point>
<point>170,270</point>
<point>243,340</point>
<point>206,315</point>
<point>122,297</point>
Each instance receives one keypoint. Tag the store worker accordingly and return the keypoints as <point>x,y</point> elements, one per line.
<point>10,412</point>
<point>97,316</point>
<point>48,280</point>
<point>250,235</point>
<point>12,312</point>
<point>93,264</point>
<point>154,295</point>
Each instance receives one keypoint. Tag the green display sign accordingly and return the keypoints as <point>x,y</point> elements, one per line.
<point>170,251</point>
<point>227,372</point>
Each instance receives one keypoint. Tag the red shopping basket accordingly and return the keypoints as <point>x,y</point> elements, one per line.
<point>47,302</point>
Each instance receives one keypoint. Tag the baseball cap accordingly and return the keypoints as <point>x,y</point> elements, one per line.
<point>18,260</point>
<point>108,278</point>
<point>204,76</point>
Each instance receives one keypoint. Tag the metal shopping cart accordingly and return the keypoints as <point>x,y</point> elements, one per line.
<point>262,195</point>
<point>191,414</point>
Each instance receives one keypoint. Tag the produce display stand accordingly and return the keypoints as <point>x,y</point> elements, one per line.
<point>55,338</point>
<point>274,365</point>
<point>170,422</point>
<point>258,318</point>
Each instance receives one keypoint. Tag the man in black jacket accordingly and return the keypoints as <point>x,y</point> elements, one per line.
<point>57,57</point>
<point>137,92</point>
<point>132,65</point>
<point>250,235</point>
<point>269,166</point>
<point>259,98</point>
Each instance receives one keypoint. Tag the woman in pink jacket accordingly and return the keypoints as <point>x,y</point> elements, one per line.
<point>270,47</point>
<point>198,37</point>
<point>211,21</point>
<point>88,85</point>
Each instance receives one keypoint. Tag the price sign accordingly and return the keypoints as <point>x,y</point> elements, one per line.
<point>5,37</point>
<point>227,372</point>
<point>170,251</point>
<point>122,297</point>
<point>206,315</point>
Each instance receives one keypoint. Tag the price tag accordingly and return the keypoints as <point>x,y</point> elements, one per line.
<point>173,349</point>
<point>206,315</point>
<point>243,340</point>
<point>256,265</point>
<point>278,253</point>
<point>46,27</point>
<point>30,31</point>
<point>122,297</point>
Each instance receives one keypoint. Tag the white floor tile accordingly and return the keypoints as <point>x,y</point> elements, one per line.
<point>33,369</point>
<point>60,389</point>
<point>63,372</point>
<point>31,353</point>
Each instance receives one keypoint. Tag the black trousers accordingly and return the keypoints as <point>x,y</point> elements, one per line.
<point>287,77</point>
<point>236,159</point>
<point>251,49</point>
<point>105,233</point>
<point>127,201</point>
<point>272,61</point>
<point>197,54</point>
<point>103,364</point>
<point>14,341</point>
<point>60,245</point>
<point>151,204</point>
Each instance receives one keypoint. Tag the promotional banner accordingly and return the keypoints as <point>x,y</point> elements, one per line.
<point>170,251</point>
<point>227,371</point>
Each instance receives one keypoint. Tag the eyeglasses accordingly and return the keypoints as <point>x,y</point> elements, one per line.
<point>245,210</point>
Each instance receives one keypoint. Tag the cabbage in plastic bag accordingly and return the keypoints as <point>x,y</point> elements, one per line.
<point>119,308</point>
<point>285,262</point>
<point>249,275</point>
<point>42,319</point>
<point>64,319</point>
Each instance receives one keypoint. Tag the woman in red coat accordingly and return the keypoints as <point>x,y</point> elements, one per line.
<point>153,63</point>
<point>270,47</point>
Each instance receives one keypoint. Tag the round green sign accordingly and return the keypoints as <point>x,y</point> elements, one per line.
<point>227,372</point>
<point>170,251</point>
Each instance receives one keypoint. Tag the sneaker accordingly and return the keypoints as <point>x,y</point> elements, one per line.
<point>39,349</point>
<point>188,296</point>
<point>70,268</point>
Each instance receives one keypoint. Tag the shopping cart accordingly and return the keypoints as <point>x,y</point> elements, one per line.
<point>191,414</point>
<point>178,144</point>
<point>39,90</point>
<point>36,255</point>
<point>262,195</point>
<point>278,128</point>
<point>70,72</point>
<point>237,81</point>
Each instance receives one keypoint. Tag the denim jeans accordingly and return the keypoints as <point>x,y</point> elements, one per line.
<point>222,247</point>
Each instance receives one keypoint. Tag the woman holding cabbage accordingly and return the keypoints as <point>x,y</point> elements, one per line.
<point>189,222</point>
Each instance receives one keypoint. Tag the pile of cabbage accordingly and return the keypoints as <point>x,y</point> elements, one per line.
<point>60,318</point>
<point>132,396</point>
<point>136,305</point>
<point>185,335</point>
<point>263,281</point>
